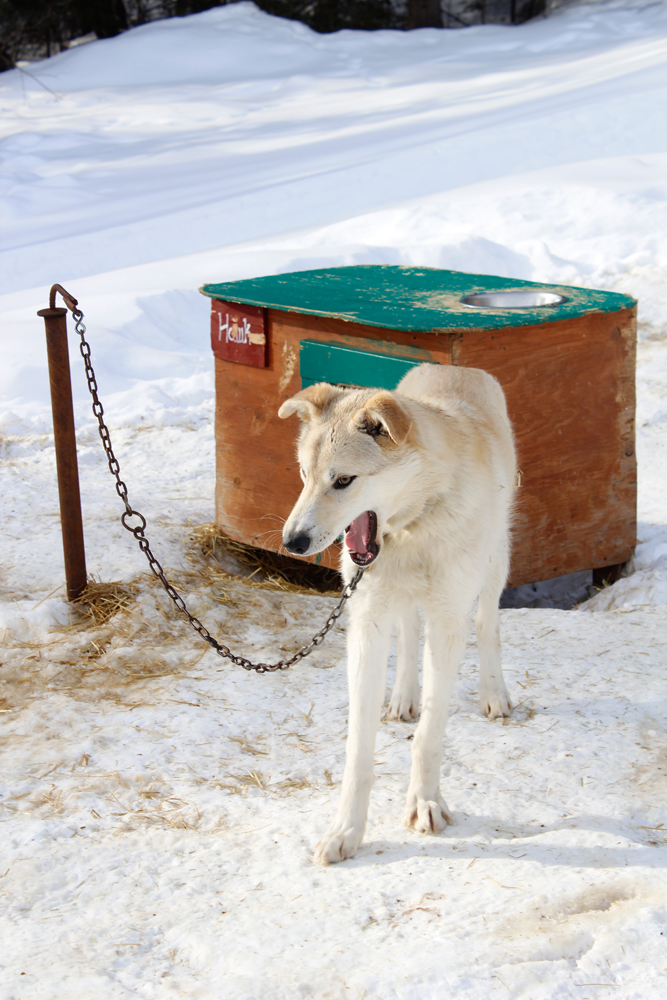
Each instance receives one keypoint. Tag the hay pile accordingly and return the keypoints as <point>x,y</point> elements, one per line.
<point>260,567</point>
<point>119,635</point>
<point>100,602</point>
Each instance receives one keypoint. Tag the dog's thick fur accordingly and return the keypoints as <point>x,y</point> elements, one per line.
<point>435,461</point>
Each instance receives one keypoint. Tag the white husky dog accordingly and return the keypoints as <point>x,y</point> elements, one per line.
<point>421,480</point>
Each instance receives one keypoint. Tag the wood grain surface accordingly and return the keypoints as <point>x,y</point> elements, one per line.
<point>570,394</point>
<point>570,391</point>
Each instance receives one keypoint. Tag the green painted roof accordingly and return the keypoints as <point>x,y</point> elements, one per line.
<point>409,298</point>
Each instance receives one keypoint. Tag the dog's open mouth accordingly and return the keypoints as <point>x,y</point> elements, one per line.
<point>361,538</point>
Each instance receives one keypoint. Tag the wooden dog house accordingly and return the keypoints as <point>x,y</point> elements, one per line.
<point>564,356</point>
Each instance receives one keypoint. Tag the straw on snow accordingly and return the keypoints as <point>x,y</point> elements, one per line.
<point>261,567</point>
<point>124,633</point>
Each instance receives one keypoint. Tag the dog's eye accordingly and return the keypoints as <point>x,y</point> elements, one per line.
<point>343,481</point>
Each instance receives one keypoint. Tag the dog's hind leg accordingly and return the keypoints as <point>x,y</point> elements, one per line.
<point>368,647</point>
<point>426,811</point>
<point>404,702</point>
<point>493,695</point>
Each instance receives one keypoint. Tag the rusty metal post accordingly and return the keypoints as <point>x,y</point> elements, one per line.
<point>65,442</point>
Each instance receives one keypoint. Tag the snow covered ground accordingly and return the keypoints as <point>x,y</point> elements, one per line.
<point>227,145</point>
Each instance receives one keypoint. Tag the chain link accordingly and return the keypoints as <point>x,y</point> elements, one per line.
<point>138,530</point>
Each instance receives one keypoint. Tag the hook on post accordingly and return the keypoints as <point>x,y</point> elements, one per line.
<point>68,299</point>
<point>55,322</point>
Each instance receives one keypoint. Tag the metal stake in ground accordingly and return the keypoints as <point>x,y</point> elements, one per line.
<point>68,485</point>
<point>65,442</point>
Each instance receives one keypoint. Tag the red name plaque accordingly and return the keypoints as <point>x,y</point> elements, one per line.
<point>237,333</point>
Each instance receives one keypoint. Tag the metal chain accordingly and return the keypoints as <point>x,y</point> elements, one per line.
<point>138,530</point>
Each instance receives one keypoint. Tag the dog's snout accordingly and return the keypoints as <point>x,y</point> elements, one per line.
<point>298,544</point>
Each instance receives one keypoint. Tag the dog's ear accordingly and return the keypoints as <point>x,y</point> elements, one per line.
<point>309,403</point>
<point>382,416</point>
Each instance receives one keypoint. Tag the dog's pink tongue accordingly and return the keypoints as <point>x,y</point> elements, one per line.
<point>358,535</point>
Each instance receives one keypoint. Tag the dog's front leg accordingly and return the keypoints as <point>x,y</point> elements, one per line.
<point>367,651</point>
<point>426,810</point>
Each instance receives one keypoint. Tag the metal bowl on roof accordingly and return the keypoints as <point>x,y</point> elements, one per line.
<point>524,299</point>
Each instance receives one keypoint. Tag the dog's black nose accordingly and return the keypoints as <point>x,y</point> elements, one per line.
<point>298,544</point>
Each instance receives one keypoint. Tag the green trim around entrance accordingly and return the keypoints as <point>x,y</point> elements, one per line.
<point>322,361</point>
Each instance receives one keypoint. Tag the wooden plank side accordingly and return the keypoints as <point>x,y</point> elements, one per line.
<point>571,398</point>
<point>570,391</point>
<point>257,476</point>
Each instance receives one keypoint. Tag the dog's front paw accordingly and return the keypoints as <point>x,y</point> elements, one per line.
<point>337,845</point>
<point>403,705</point>
<point>495,701</point>
<point>426,815</point>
